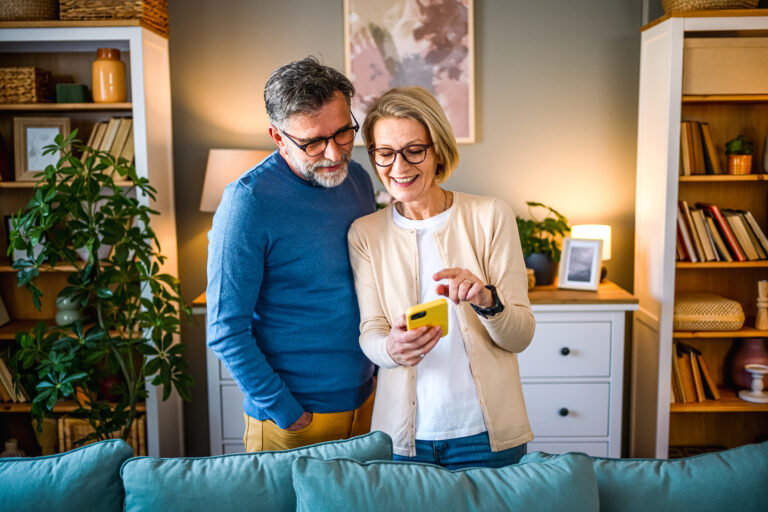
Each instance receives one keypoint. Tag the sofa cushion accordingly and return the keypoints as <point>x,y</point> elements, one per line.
<point>710,482</point>
<point>243,481</point>
<point>86,478</point>
<point>564,483</point>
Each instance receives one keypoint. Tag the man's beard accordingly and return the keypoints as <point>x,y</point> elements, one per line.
<point>322,179</point>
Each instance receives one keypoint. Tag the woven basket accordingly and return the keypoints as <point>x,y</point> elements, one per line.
<point>72,430</point>
<point>152,14</point>
<point>26,10</point>
<point>695,5</point>
<point>26,85</point>
<point>707,312</point>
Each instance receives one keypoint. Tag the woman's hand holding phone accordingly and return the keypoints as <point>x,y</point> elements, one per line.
<point>408,348</point>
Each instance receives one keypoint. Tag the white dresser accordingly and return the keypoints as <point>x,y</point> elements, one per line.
<point>572,372</point>
<point>572,375</point>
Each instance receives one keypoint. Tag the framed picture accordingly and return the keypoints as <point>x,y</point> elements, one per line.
<point>580,264</point>
<point>30,136</point>
<point>411,42</point>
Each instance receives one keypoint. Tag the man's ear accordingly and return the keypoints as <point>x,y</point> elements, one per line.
<point>276,136</point>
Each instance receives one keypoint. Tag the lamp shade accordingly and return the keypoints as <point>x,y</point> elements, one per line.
<point>224,167</point>
<point>595,232</point>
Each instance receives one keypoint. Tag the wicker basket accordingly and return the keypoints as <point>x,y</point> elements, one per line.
<point>152,14</point>
<point>695,5</point>
<point>26,85</point>
<point>73,429</point>
<point>707,312</point>
<point>26,10</point>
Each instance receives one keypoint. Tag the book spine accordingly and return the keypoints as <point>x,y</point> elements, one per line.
<point>738,254</point>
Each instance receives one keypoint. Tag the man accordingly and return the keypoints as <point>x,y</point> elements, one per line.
<point>282,310</point>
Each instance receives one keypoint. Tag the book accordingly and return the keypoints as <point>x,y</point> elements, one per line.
<point>693,359</point>
<point>725,231</point>
<point>711,150</point>
<point>761,254</point>
<point>94,142</point>
<point>722,248</point>
<point>685,149</point>
<point>686,375</point>
<point>685,237</point>
<point>4,395</point>
<point>109,134</point>
<point>756,229</point>
<point>710,387</point>
<point>701,228</point>
<point>6,379</point>
<point>679,392</point>
<point>692,230</point>
<point>704,152</point>
<point>127,151</point>
<point>740,232</point>
<point>121,136</point>
<point>698,149</point>
<point>88,144</point>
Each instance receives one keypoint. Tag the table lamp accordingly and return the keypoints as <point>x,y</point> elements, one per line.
<point>596,232</point>
<point>224,167</point>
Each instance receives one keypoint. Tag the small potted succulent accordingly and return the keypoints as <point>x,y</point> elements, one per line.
<point>541,240</point>
<point>739,151</point>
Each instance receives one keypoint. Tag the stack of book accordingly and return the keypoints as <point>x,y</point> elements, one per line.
<point>9,392</point>
<point>708,233</point>
<point>114,137</point>
<point>698,154</point>
<point>691,379</point>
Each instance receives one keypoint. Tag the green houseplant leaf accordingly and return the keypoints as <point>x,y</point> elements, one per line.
<point>544,235</point>
<point>77,210</point>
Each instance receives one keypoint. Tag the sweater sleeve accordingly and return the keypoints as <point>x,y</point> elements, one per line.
<point>374,327</point>
<point>236,257</point>
<point>513,328</point>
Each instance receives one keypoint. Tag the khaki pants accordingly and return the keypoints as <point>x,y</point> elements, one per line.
<point>267,436</point>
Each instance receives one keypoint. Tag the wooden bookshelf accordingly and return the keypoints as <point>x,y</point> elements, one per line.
<point>722,264</point>
<point>46,107</point>
<point>31,184</point>
<point>729,402</point>
<point>709,178</point>
<point>63,406</point>
<point>9,330</point>
<point>725,98</point>
<point>744,332</point>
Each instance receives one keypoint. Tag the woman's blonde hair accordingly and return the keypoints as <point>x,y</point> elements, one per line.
<point>419,104</point>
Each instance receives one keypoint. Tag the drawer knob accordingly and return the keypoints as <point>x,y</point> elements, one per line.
<point>565,351</point>
<point>563,412</point>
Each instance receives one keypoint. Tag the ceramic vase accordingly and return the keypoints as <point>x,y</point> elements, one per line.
<point>543,267</point>
<point>750,351</point>
<point>12,449</point>
<point>739,164</point>
<point>68,311</point>
<point>108,77</point>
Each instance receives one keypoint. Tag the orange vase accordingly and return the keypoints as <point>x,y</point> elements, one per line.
<point>108,75</point>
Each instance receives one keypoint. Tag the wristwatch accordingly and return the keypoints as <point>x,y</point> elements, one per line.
<point>497,307</point>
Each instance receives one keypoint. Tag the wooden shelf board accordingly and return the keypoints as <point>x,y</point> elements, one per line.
<point>704,178</point>
<point>9,330</point>
<point>80,23</point>
<point>65,106</point>
<point>725,98</point>
<point>5,266</point>
<point>63,406</point>
<point>744,332</point>
<point>712,13</point>
<point>722,264</point>
<point>33,184</point>
<point>729,402</point>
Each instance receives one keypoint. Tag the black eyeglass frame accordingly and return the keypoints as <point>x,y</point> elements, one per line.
<point>304,147</point>
<point>401,152</point>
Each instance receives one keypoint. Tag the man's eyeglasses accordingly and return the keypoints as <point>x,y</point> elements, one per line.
<point>317,146</point>
<point>413,154</point>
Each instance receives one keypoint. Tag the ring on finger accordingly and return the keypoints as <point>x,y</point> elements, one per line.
<point>421,356</point>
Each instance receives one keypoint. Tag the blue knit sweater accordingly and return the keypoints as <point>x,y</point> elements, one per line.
<point>282,311</point>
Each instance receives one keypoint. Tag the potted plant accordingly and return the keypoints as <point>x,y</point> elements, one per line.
<point>739,151</point>
<point>129,310</point>
<point>541,241</point>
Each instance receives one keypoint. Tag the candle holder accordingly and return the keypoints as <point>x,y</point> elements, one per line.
<point>761,321</point>
<point>756,394</point>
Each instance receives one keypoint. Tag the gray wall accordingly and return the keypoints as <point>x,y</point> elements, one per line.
<point>556,96</point>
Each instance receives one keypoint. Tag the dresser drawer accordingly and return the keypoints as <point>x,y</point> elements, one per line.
<point>568,349</point>
<point>591,449</point>
<point>232,421</point>
<point>571,410</point>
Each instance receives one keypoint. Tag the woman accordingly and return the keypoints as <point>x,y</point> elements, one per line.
<point>455,401</point>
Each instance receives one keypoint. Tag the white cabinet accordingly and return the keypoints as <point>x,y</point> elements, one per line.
<point>572,375</point>
<point>572,372</point>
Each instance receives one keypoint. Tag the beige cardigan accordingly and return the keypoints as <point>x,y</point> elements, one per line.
<point>480,235</point>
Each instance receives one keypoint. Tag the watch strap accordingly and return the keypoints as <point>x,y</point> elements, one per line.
<point>495,309</point>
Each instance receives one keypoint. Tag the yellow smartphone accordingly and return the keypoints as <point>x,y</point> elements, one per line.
<point>430,313</point>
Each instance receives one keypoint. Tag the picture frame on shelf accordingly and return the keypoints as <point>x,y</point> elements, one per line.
<point>30,136</point>
<point>580,264</point>
<point>18,254</point>
<point>405,43</point>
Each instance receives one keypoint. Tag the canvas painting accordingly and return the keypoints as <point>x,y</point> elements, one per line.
<point>413,42</point>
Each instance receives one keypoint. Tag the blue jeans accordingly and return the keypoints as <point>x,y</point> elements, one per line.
<point>465,452</point>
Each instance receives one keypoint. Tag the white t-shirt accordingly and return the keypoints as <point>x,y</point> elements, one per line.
<point>447,403</point>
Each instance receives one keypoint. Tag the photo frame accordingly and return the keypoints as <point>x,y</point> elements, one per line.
<point>580,264</point>
<point>30,135</point>
<point>403,42</point>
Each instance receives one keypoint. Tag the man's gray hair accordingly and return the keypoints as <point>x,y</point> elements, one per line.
<point>303,87</point>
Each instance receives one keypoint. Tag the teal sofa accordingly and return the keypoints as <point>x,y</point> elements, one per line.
<point>359,475</point>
